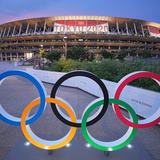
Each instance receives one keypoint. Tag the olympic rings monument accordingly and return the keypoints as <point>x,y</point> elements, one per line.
<point>131,99</point>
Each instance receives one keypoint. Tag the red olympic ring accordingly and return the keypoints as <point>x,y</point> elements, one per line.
<point>125,80</point>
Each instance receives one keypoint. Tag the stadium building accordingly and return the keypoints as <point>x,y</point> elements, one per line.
<point>24,38</point>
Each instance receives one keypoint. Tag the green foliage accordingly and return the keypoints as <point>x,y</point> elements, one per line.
<point>105,54</point>
<point>112,70</point>
<point>77,53</point>
<point>65,65</point>
<point>53,56</point>
<point>145,53</point>
<point>122,54</point>
<point>42,52</point>
<point>90,56</point>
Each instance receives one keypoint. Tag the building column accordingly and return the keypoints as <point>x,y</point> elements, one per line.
<point>11,56</point>
<point>135,29</point>
<point>117,24</point>
<point>13,30</point>
<point>142,30</point>
<point>35,28</point>
<point>20,29</point>
<point>44,28</point>
<point>127,30</point>
<point>27,29</point>
<point>4,32</point>
<point>1,32</point>
<point>5,56</point>
<point>8,31</point>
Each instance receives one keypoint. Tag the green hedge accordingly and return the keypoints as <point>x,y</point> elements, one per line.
<point>111,69</point>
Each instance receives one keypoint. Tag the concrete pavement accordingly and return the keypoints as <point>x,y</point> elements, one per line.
<point>16,93</point>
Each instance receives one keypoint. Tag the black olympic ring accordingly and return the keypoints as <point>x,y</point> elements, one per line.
<point>85,74</point>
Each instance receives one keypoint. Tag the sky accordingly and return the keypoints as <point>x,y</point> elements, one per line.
<point>11,10</point>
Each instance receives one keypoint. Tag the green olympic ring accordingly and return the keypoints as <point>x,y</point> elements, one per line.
<point>117,144</point>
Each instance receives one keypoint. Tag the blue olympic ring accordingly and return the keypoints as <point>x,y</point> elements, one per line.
<point>6,117</point>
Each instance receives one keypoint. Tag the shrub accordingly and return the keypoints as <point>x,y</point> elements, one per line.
<point>105,54</point>
<point>77,53</point>
<point>65,65</point>
<point>53,56</point>
<point>112,70</point>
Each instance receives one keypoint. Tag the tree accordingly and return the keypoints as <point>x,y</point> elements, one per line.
<point>53,55</point>
<point>145,53</point>
<point>42,52</point>
<point>77,53</point>
<point>90,55</point>
<point>122,54</point>
<point>105,54</point>
<point>132,52</point>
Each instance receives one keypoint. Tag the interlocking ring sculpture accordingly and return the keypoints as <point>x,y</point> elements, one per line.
<point>72,121</point>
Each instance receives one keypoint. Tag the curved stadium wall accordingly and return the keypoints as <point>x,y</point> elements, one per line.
<point>23,38</point>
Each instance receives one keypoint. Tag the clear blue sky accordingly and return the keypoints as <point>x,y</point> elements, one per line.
<point>20,9</point>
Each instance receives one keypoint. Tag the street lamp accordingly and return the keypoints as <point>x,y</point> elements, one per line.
<point>65,45</point>
<point>42,55</point>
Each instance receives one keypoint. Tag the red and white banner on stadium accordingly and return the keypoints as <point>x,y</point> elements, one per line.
<point>80,26</point>
<point>154,31</point>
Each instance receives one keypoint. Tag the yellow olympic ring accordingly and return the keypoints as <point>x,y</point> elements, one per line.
<point>36,140</point>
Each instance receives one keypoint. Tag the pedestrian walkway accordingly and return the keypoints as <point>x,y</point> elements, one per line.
<point>16,93</point>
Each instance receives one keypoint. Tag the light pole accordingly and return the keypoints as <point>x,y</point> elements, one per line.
<point>65,45</point>
<point>41,55</point>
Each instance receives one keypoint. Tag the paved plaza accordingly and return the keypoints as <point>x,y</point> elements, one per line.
<point>16,93</point>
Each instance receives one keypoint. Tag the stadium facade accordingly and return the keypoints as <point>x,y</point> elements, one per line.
<point>23,38</point>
